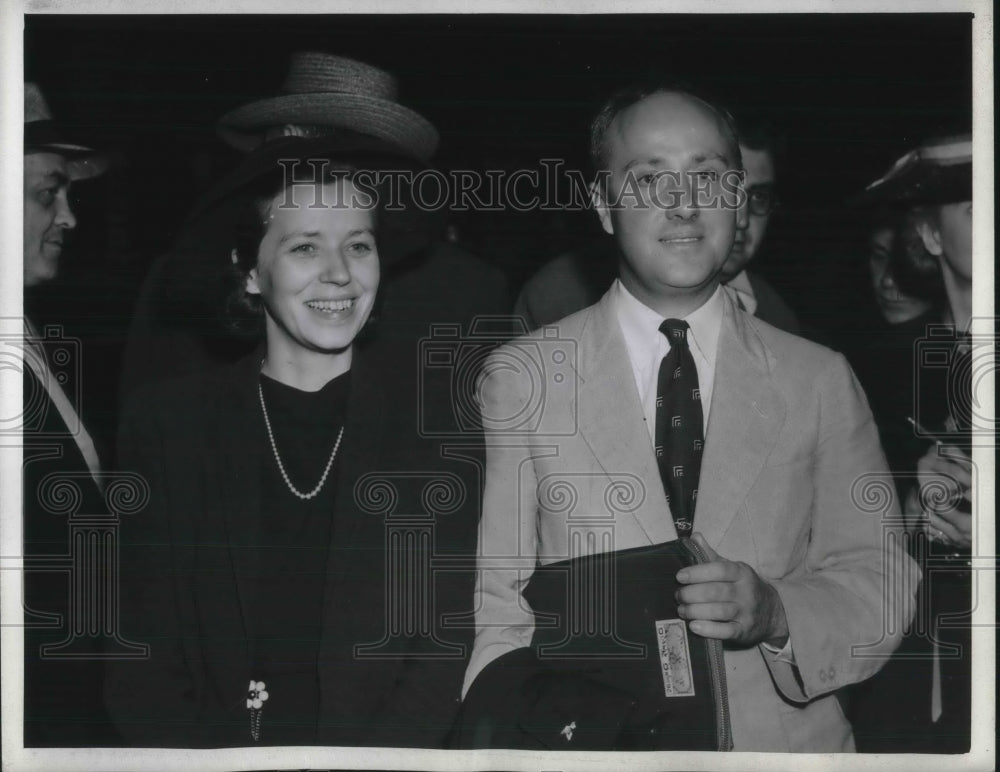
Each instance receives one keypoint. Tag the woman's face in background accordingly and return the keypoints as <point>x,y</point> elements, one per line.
<point>895,306</point>
<point>317,267</point>
<point>955,235</point>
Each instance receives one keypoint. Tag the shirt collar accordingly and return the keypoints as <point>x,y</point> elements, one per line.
<point>741,282</point>
<point>641,323</point>
<point>740,285</point>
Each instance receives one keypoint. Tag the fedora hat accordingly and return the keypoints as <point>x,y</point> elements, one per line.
<point>43,134</point>
<point>937,172</point>
<point>333,91</point>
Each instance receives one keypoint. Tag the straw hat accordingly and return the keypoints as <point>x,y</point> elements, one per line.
<point>212,225</point>
<point>43,134</point>
<point>937,172</point>
<point>333,91</point>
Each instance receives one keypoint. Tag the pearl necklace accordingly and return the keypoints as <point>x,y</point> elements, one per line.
<point>281,467</point>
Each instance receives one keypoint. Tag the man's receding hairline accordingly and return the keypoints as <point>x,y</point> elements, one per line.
<point>724,123</point>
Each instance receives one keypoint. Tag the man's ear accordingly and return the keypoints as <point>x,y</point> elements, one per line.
<point>601,207</point>
<point>930,236</point>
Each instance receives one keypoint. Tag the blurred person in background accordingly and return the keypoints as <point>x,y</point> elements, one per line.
<point>895,304</point>
<point>921,702</point>
<point>62,696</point>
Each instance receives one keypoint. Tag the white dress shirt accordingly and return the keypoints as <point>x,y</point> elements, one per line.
<point>647,346</point>
<point>34,357</point>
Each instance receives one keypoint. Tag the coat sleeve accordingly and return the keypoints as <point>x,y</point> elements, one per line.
<point>507,541</point>
<point>151,700</point>
<point>848,605</point>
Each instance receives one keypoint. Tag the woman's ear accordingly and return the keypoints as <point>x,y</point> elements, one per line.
<point>930,236</point>
<point>250,284</point>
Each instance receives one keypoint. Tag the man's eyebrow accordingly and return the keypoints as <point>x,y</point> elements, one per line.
<point>59,178</point>
<point>702,157</point>
<point>655,161</point>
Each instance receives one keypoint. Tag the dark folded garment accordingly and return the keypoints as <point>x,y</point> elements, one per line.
<point>611,665</point>
<point>569,710</point>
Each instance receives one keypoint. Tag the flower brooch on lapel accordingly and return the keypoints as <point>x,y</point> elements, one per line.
<point>256,697</point>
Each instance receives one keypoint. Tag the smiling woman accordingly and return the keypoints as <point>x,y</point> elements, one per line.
<point>256,561</point>
<point>307,259</point>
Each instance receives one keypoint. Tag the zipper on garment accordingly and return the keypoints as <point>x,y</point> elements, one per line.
<point>716,669</point>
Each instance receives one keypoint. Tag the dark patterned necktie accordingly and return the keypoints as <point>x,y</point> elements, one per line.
<point>679,436</point>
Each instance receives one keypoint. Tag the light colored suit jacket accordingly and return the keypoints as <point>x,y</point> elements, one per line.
<point>791,472</point>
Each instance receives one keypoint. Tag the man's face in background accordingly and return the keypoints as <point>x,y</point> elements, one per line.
<point>759,166</point>
<point>47,214</point>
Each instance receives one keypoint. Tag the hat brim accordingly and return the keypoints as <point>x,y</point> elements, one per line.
<point>409,132</point>
<point>216,209</point>
<point>82,162</point>
<point>923,184</point>
<point>265,159</point>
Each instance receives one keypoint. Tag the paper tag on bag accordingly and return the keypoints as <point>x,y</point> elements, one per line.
<point>675,658</point>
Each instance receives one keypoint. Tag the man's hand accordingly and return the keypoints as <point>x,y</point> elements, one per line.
<point>729,601</point>
<point>944,475</point>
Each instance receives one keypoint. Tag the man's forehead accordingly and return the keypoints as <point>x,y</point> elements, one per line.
<point>668,124</point>
<point>759,165</point>
<point>46,166</point>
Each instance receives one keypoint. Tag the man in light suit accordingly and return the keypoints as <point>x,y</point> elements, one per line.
<point>804,585</point>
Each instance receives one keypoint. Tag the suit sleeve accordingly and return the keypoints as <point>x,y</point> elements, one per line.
<point>848,605</point>
<point>151,701</point>
<point>507,543</point>
<point>522,308</point>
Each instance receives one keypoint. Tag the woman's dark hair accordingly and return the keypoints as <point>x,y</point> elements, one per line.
<point>917,271</point>
<point>244,312</point>
<point>760,133</point>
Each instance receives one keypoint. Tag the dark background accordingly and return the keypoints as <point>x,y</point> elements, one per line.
<point>853,92</point>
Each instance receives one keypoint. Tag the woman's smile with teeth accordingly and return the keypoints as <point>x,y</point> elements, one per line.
<point>330,306</point>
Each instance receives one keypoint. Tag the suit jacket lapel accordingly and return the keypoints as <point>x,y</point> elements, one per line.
<point>611,417</point>
<point>241,454</point>
<point>746,415</point>
<point>350,554</point>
